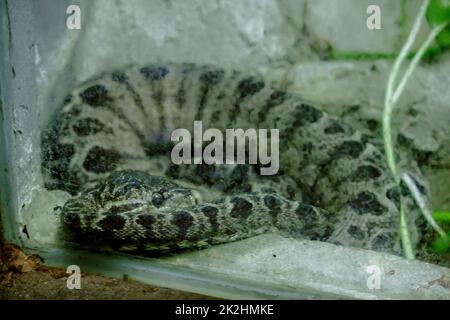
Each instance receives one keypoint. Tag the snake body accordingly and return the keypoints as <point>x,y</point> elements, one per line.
<point>110,147</point>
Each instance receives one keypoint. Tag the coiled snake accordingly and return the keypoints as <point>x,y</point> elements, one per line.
<point>110,145</point>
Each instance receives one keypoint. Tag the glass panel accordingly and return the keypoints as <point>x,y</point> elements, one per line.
<point>160,138</point>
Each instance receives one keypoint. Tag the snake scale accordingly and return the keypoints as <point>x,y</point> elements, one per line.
<point>109,146</point>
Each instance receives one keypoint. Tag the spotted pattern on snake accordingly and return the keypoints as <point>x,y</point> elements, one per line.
<point>109,146</point>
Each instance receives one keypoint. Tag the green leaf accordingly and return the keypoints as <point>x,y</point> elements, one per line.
<point>438,12</point>
<point>441,216</point>
<point>441,245</point>
<point>443,39</point>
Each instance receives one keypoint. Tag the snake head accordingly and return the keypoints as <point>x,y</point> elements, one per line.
<point>99,214</point>
<point>134,185</point>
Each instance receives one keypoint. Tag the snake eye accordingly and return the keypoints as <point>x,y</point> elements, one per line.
<point>157,199</point>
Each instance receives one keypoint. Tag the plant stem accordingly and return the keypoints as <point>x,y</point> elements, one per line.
<point>392,97</point>
<point>387,131</point>
<point>403,54</point>
<point>436,30</point>
<point>422,204</point>
<point>405,235</point>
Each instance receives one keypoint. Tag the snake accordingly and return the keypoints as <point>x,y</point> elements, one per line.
<point>109,146</point>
